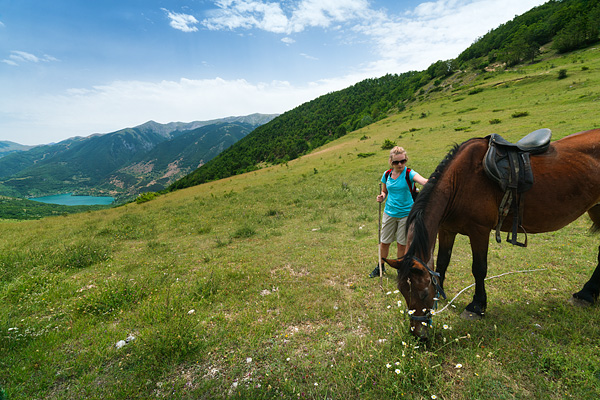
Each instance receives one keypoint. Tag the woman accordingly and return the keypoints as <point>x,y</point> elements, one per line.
<point>398,204</point>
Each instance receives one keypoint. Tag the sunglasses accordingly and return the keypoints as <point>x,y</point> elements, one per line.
<point>399,162</point>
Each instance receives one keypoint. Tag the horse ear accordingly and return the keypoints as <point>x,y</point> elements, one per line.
<point>392,263</point>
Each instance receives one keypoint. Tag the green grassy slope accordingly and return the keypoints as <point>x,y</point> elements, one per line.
<point>255,286</point>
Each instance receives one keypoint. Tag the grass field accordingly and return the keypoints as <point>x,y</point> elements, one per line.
<point>256,286</point>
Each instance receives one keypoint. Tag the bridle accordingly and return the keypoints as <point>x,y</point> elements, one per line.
<point>439,292</point>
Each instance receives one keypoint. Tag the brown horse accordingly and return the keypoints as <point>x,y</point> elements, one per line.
<point>460,198</point>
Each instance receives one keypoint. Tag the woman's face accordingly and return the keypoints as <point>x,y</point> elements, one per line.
<point>399,161</point>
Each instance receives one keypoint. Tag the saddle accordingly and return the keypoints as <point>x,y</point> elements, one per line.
<point>508,165</point>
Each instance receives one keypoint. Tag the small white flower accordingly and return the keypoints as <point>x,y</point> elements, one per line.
<point>191,312</point>
<point>389,307</point>
<point>388,293</point>
<point>249,360</point>
<point>287,359</point>
<point>397,371</point>
<point>433,397</point>
<point>396,291</point>
<point>388,366</point>
<point>397,363</point>
<point>316,384</point>
<point>458,366</point>
<point>399,303</point>
<point>445,326</point>
<point>411,312</point>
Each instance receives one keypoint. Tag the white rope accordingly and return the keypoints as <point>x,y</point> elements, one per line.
<point>491,277</point>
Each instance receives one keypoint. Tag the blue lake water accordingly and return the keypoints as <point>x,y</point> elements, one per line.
<point>70,200</point>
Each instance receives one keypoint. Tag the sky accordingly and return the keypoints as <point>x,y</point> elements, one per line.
<point>79,67</point>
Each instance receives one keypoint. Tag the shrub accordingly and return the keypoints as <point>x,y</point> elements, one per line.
<point>562,74</point>
<point>365,155</point>
<point>494,121</point>
<point>519,114</point>
<point>144,197</point>
<point>388,145</point>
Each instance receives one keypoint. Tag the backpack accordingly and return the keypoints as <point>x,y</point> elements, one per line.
<point>413,189</point>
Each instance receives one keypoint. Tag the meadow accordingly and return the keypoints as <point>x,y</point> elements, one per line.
<point>256,286</point>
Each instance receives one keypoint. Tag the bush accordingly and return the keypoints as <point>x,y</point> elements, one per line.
<point>494,121</point>
<point>388,145</point>
<point>144,197</point>
<point>365,155</point>
<point>562,74</point>
<point>519,114</point>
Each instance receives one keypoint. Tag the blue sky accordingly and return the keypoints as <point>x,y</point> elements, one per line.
<point>77,67</point>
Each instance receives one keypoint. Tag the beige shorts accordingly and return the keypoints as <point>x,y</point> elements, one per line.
<point>393,229</point>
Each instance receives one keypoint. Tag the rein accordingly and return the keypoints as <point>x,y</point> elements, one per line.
<point>427,318</point>
<point>491,277</point>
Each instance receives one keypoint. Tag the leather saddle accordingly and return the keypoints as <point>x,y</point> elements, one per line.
<point>508,164</point>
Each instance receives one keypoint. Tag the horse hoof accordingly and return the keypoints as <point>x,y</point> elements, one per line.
<point>579,302</point>
<point>471,316</point>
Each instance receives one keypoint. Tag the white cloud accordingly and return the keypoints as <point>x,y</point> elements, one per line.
<point>182,22</point>
<point>308,57</point>
<point>130,103</point>
<point>434,31</point>
<point>288,40</point>
<point>270,16</point>
<point>17,58</point>
<point>23,56</point>
<point>10,62</point>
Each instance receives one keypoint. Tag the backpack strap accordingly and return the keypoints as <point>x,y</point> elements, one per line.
<point>411,185</point>
<point>407,176</point>
<point>387,174</point>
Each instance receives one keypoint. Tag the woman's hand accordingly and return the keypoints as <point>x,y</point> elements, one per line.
<point>381,197</point>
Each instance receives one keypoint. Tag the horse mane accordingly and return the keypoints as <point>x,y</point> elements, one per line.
<point>419,246</point>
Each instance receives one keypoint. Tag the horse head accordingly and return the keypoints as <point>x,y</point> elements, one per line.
<point>421,288</point>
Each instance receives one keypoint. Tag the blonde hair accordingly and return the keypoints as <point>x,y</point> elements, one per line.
<point>396,151</point>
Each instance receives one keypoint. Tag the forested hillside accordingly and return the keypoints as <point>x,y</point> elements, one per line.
<point>568,25</point>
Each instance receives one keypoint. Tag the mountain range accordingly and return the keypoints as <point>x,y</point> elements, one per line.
<point>121,164</point>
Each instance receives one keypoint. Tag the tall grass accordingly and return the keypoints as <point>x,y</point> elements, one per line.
<point>255,286</point>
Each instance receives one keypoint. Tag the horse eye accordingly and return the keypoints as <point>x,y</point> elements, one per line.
<point>424,294</point>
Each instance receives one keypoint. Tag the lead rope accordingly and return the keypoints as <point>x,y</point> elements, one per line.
<point>491,277</point>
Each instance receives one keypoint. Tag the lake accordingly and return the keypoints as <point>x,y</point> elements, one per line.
<point>70,200</point>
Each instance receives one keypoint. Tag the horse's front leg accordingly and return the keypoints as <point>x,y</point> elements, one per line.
<point>479,248</point>
<point>446,241</point>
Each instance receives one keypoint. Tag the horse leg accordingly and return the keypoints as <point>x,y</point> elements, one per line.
<point>589,294</point>
<point>446,242</point>
<point>479,248</point>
